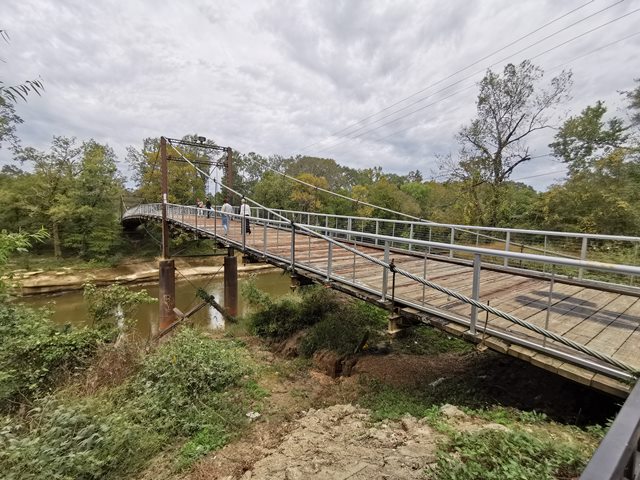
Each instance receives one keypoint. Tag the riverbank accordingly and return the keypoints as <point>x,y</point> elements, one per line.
<point>38,282</point>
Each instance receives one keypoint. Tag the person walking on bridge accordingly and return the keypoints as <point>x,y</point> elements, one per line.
<point>226,210</point>
<point>245,211</point>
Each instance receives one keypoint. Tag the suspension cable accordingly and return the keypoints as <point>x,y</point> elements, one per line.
<point>463,298</point>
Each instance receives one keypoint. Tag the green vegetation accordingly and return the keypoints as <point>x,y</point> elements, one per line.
<point>36,355</point>
<point>513,455</point>
<point>423,340</point>
<point>334,323</point>
<point>116,432</point>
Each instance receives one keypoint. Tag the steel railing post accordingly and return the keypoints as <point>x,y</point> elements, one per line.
<point>293,247</point>
<point>349,229</point>
<point>329,261</point>
<point>583,256</point>
<point>546,321</point>
<point>385,272</point>
<point>475,292</point>
<point>377,230</point>
<point>411,237</point>
<point>453,241</point>
<point>264,238</point>
<point>507,245</point>
<point>215,221</point>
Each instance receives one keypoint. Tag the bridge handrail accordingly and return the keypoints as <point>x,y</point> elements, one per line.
<point>618,455</point>
<point>625,371</point>
<point>587,264</point>
<point>593,236</point>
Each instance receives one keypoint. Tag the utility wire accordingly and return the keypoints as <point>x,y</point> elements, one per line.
<point>349,137</point>
<point>610,44</point>
<point>452,75</point>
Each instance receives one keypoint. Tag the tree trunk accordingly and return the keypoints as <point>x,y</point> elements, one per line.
<point>55,234</point>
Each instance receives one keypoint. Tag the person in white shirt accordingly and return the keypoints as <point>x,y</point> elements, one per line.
<point>245,211</point>
<point>226,210</point>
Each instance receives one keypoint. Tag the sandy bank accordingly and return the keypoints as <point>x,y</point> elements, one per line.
<point>26,283</point>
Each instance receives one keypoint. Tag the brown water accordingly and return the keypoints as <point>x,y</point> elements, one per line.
<point>70,308</point>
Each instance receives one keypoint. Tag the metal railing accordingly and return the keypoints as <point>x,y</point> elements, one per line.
<point>618,455</point>
<point>346,257</point>
<point>581,246</point>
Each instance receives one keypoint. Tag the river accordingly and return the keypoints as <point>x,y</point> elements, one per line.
<point>70,308</point>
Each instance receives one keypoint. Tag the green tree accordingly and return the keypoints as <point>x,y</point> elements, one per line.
<point>306,198</point>
<point>93,202</point>
<point>509,109</point>
<point>585,138</point>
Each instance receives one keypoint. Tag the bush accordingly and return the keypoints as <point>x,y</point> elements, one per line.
<point>35,353</point>
<point>344,329</point>
<point>285,316</point>
<point>74,441</point>
<point>497,455</point>
<point>190,388</point>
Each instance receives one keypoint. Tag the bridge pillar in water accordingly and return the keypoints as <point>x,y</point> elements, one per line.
<point>167,293</point>
<point>231,283</point>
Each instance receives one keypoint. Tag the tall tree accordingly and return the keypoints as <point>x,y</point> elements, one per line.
<point>584,138</point>
<point>510,107</point>
<point>94,199</point>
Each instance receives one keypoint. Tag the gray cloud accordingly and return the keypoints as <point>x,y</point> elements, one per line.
<point>273,77</point>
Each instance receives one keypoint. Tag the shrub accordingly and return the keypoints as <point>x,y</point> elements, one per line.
<point>285,316</point>
<point>35,353</point>
<point>345,328</point>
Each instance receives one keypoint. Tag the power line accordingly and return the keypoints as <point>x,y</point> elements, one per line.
<point>453,74</point>
<point>595,50</point>
<point>347,138</point>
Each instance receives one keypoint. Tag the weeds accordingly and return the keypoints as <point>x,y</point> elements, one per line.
<point>498,455</point>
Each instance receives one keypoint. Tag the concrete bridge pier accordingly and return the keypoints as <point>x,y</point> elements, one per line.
<point>231,283</point>
<point>167,283</point>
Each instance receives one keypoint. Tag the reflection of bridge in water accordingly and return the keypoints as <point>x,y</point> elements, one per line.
<point>518,292</point>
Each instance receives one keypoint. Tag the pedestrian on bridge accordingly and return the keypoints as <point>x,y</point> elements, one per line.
<point>245,211</point>
<point>208,207</point>
<point>226,210</point>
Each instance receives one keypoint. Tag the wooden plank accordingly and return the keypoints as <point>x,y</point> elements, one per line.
<point>586,330</point>
<point>609,340</point>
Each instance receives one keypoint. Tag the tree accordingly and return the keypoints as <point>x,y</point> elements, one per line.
<point>308,199</point>
<point>93,200</point>
<point>185,182</point>
<point>509,109</point>
<point>585,138</point>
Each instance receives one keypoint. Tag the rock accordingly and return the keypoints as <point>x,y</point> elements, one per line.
<point>495,426</point>
<point>452,411</point>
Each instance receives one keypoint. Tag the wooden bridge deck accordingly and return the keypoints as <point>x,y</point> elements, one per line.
<point>605,321</point>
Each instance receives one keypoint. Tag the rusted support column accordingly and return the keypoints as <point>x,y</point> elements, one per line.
<point>167,292</point>
<point>231,283</point>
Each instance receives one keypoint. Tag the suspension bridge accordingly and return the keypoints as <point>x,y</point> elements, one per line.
<point>562,301</point>
<point>506,289</point>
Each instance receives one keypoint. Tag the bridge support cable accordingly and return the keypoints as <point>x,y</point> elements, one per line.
<point>411,217</point>
<point>394,269</point>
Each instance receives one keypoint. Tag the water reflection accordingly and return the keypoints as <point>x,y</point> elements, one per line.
<point>70,308</point>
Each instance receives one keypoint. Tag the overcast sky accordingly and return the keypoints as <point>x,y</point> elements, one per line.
<point>277,77</point>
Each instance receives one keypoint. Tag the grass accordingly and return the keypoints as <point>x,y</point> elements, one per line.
<point>425,340</point>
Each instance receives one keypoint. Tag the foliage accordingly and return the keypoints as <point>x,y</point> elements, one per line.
<point>285,316</point>
<point>584,138</point>
<point>15,242</point>
<point>35,353</point>
<point>493,454</point>
<point>189,388</point>
<point>74,440</point>
<point>344,329</point>
<point>172,400</point>
<point>114,304</point>
<point>508,110</point>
